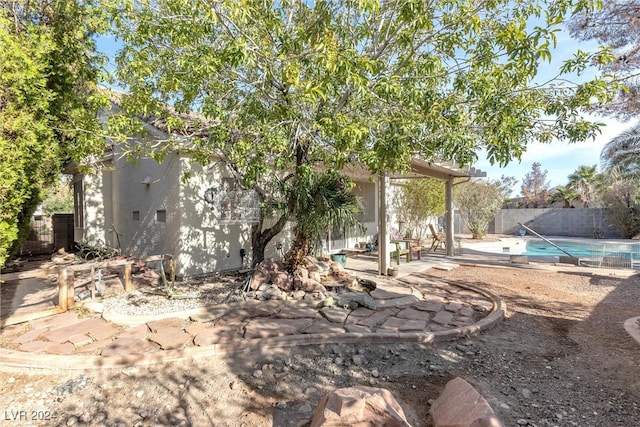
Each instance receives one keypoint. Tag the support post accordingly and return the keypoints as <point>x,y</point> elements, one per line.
<point>65,289</point>
<point>449,216</point>
<point>128,286</point>
<point>383,221</point>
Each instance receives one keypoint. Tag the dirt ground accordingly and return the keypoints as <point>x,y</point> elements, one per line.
<point>560,358</point>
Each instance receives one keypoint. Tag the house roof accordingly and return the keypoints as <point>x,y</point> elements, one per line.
<point>420,168</point>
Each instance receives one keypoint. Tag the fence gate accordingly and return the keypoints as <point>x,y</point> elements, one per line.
<point>40,238</point>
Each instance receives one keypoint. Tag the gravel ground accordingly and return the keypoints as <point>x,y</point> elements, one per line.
<point>560,358</point>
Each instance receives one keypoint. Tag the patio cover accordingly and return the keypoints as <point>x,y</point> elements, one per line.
<point>445,171</point>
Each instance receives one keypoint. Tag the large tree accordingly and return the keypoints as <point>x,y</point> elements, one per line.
<point>584,180</point>
<point>272,86</point>
<point>616,24</point>
<point>48,103</point>
<point>478,203</point>
<point>417,201</point>
<point>535,187</point>
<point>623,153</point>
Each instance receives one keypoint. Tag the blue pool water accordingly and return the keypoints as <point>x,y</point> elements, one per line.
<point>541,248</point>
<point>594,250</point>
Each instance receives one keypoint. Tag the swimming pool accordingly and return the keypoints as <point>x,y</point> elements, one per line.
<point>614,254</point>
<point>540,247</point>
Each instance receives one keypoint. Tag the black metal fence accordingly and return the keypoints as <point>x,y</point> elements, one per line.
<point>49,233</point>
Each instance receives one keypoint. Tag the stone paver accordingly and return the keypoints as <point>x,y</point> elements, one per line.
<point>412,314</point>
<point>357,329</point>
<point>453,307</point>
<point>139,332</point>
<point>404,325</point>
<point>61,348</point>
<point>398,309</point>
<point>323,326</point>
<point>124,346</point>
<point>443,317</point>
<point>298,313</point>
<point>81,327</point>
<point>159,325</point>
<point>96,345</point>
<point>36,346</point>
<point>194,328</point>
<point>376,318</point>
<point>217,334</point>
<point>431,306</point>
<point>265,328</point>
<point>55,322</point>
<point>390,292</point>
<point>29,336</point>
<point>80,340</point>
<point>103,332</point>
<point>170,338</point>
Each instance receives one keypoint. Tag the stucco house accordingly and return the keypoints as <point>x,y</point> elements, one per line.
<point>204,221</point>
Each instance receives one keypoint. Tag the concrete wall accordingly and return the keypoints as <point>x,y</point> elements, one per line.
<point>555,222</point>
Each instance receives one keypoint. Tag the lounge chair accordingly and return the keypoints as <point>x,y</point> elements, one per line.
<point>439,238</point>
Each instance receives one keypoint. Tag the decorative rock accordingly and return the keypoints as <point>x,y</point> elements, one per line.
<point>282,280</point>
<point>302,272</point>
<point>359,405</point>
<point>315,275</point>
<point>308,285</point>
<point>358,359</point>
<point>460,405</point>
<point>298,294</point>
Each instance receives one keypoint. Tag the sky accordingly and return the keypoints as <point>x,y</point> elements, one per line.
<point>558,158</point>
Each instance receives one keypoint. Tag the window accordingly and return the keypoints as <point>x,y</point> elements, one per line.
<point>78,204</point>
<point>136,215</point>
<point>231,205</point>
<point>161,216</point>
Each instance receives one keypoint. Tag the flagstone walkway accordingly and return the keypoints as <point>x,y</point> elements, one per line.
<point>416,308</point>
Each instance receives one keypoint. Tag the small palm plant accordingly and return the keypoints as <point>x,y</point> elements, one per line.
<point>320,202</point>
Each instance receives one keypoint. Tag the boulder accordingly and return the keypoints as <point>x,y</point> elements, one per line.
<point>308,285</point>
<point>302,272</point>
<point>282,280</point>
<point>260,277</point>
<point>460,405</point>
<point>359,406</point>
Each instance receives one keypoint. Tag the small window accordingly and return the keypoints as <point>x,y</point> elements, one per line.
<point>161,216</point>
<point>136,215</point>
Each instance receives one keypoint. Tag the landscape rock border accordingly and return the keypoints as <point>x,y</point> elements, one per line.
<point>19,359</point>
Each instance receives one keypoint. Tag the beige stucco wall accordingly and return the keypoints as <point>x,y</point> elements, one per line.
<point>199,239</point>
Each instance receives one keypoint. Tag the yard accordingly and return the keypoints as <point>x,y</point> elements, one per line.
<point>560,358</point>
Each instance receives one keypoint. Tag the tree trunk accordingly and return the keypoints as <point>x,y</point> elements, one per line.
<point>260,238</point>
<point>295,256</point>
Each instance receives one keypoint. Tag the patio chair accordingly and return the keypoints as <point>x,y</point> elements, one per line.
<point>439,238</point>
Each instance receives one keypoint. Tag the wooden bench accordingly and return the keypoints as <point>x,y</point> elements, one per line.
<point>401,251</point>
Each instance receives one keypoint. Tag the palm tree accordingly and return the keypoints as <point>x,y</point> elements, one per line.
<point>584,181</point>
<point>320,202</point>
<point>623,152</point>
<point>565,195</point>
